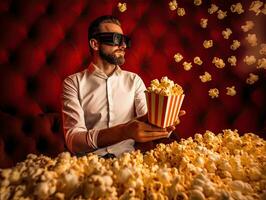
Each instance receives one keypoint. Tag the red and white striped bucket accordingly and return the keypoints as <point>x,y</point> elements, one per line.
<point>163,110</point>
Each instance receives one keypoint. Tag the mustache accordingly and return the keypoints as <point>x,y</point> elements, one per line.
<point>119,50</point>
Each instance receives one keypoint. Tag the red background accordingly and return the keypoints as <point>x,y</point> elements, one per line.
<point>41,42</point>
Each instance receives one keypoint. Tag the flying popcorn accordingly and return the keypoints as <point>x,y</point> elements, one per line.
<point>197,2</point>
<point>249,60</point>
<point>252,39</point>
<point>214,93</point>
<point>252,78</point>
<point>226,33</point>
<point>122,7</point>
<point>178,57</point>
<point>187,65</point>
<point>206,77</point>
<point>263,11</point>
<point>261,63</point>
<point>197,60</point>
<point>248,26</point>
<point>221,14</point>
<point>263,49</point>
<point>213,9</point>
<point>203,22</point>
<point>207,43</point>
<point>181,12</point>
<point>237,8</point>
<point>218,62</point>
<point>232,60</point>
<point>255,7</point>
<point>235,45</point>
<point>173,5</point>
<point>231,91</point>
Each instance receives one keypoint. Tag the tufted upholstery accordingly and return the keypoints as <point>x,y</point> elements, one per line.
<point>41,42</point>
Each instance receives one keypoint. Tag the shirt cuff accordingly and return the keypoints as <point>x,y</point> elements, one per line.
<point>91,138</point>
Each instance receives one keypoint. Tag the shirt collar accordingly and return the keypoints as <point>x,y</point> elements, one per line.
<point>93,69</point>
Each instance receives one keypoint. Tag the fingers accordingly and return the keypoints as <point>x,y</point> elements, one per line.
<point>154,136</point>
<point>176,122</point>
<point>170,128</point>
<point>181,113</point>
<point>150,128</point>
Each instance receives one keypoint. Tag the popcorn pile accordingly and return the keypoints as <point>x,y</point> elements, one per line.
<point>223,166</point>
<point>165,87</point>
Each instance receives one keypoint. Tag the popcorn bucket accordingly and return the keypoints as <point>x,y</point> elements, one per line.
<point>163,110</point>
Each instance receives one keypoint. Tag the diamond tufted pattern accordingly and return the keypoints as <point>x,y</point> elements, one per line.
<point>41,42</point>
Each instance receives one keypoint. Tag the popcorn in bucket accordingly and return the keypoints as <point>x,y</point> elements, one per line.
<point>164,100</point>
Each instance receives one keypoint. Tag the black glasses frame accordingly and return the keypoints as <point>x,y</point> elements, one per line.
<point>113,39</point>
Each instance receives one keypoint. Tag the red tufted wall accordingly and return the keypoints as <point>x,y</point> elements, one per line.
<point>43,41</point>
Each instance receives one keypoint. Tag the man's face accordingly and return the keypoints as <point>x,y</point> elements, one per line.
<point>112,54</point>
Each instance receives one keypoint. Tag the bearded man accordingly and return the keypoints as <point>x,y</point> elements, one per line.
<point>103,106</point>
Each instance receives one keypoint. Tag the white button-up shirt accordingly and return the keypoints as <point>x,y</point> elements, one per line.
<point>92,101</point>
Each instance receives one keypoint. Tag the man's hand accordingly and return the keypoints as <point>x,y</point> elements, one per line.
<point>144,132</point>
<point>181,113</point>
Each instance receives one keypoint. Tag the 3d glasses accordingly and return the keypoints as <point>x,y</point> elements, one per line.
<point>113,39</point>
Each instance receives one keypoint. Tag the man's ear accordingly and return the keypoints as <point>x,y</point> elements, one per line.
<point>94,44</point>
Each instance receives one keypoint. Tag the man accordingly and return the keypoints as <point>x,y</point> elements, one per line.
<point>102,105</point>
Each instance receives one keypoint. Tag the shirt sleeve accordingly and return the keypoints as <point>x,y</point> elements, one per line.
<point>140,99</point>
<point>75,130</point>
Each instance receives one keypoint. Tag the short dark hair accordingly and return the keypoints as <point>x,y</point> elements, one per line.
<point>94,27</point>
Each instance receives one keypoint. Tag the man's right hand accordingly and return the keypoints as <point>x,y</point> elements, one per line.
<point>144,132</point>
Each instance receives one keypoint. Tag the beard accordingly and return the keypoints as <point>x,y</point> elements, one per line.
<point>112,58</point>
